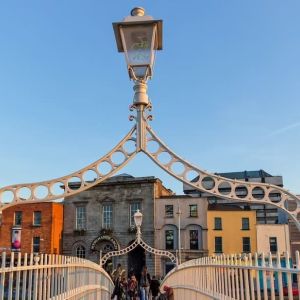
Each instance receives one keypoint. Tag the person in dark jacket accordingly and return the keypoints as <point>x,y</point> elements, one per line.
<point>154,287</point>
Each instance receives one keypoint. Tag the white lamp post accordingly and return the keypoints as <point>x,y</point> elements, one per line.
<point>138,218</point>
<point>139,36</point>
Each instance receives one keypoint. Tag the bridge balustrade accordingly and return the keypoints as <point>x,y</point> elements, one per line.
<point>31,276</point>
<point>241,277</point>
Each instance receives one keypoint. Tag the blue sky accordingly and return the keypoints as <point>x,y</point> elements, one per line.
<point>225,90</point>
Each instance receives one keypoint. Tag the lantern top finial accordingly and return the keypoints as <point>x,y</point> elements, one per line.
<point>137,11</point>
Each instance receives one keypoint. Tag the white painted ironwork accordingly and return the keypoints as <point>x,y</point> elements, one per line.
<point>137,242</point>
<point>234,190</point>
<point>76,182</point>
<point>52,277</point>
<point>238,277</point>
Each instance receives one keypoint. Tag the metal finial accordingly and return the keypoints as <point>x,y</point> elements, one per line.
<point>138,11</point>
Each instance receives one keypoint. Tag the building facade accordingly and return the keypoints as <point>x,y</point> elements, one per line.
<point>273,238</point>
<point>100,220</point>
<point>192,212</point>
<point>231,230</point>
<point>32,227</point>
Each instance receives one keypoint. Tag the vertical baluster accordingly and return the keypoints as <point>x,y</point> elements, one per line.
<point>49,276</point>
<point>251,277</point>
<point>298,269</point>
<point>18,275</point>
<point>2,275</point>
<point>236,274</point>
<point>257,273</point>
<point>59,277</point>
<point>228,275</point>
<point>41,277</point>
<point>246,277</point>
<point>220,258</point>
<point>233,276</point>
<point>225,274</point>
<point>271,277</point>
<point>45,277</point>
<point>265,288</point>
<point>24,279</point>
<point>30,276</point>
<point>35,277</point>
<point>241,278</point>
<point>280,287</point>
<point>52,294</point>
<point>288,275</point>
<point>11,275</point>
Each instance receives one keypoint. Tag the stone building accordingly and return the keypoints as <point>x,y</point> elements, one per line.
<point>32,227</point>
<point>193,228</point>
<point>100,220</point>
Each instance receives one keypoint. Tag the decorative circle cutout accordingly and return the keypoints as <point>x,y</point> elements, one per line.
<point>90,176</point>
<point>290,205</point>
<point>74,183</point>
<point>41,192</point>
<point>224,188</point>
<point>258,193</point>
<point>57,189</point>
<point>129,147</point>
<point>152,146</point>
<point>164,158</point>
<point>208,183</point>
<point>24,193</point>
<point>241,191</point>
<point>177,167</point>
<point>104,168</point>
<point>275,196</point>
<point>118,158</point>
<point>192,176</point>
<point>7,196</point>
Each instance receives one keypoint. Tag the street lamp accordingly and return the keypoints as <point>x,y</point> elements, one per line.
<point>139,36</point>
<point>138,218</point>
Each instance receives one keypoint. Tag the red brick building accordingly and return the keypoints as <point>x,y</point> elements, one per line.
<point>32,227</point>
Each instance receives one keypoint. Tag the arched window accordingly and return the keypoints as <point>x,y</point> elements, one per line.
<point>80,251</point>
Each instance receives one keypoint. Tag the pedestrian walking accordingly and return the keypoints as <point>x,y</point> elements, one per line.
<point>132,288</point>
<point>145,284</point>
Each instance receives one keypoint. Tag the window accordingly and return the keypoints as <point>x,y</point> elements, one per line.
<point>81,217</point>
<point>169,239</point>
<point>218,223</point>
<point>245,224</point>
<point>36,244</point>
<point>193,210</point>
<point>133,209</point>
<point>218,244</point>
<point>37,217</point>
<point>169,211</point>
<point>18,218</point>
<point>107,216</point>
<point>246,245</point>
<point>273,244</point>
<point>194,241</point>
<point>80,251</point>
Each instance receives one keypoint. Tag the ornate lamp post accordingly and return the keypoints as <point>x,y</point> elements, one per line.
<point>138,218</point>
<point>139,36</point>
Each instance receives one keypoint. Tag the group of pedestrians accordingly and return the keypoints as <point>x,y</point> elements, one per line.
<point>146,288</point>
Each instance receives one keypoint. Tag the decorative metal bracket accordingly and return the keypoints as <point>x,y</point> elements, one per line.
<point>138,241</point>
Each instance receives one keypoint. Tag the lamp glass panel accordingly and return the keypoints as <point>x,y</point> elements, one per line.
<point>138,43</point>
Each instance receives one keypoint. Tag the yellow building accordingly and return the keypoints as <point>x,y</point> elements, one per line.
<point>231,230</point>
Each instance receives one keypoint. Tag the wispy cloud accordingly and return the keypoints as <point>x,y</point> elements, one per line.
<point>284,129</point>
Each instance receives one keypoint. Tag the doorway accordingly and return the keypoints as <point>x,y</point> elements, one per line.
<point>136,261</point>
